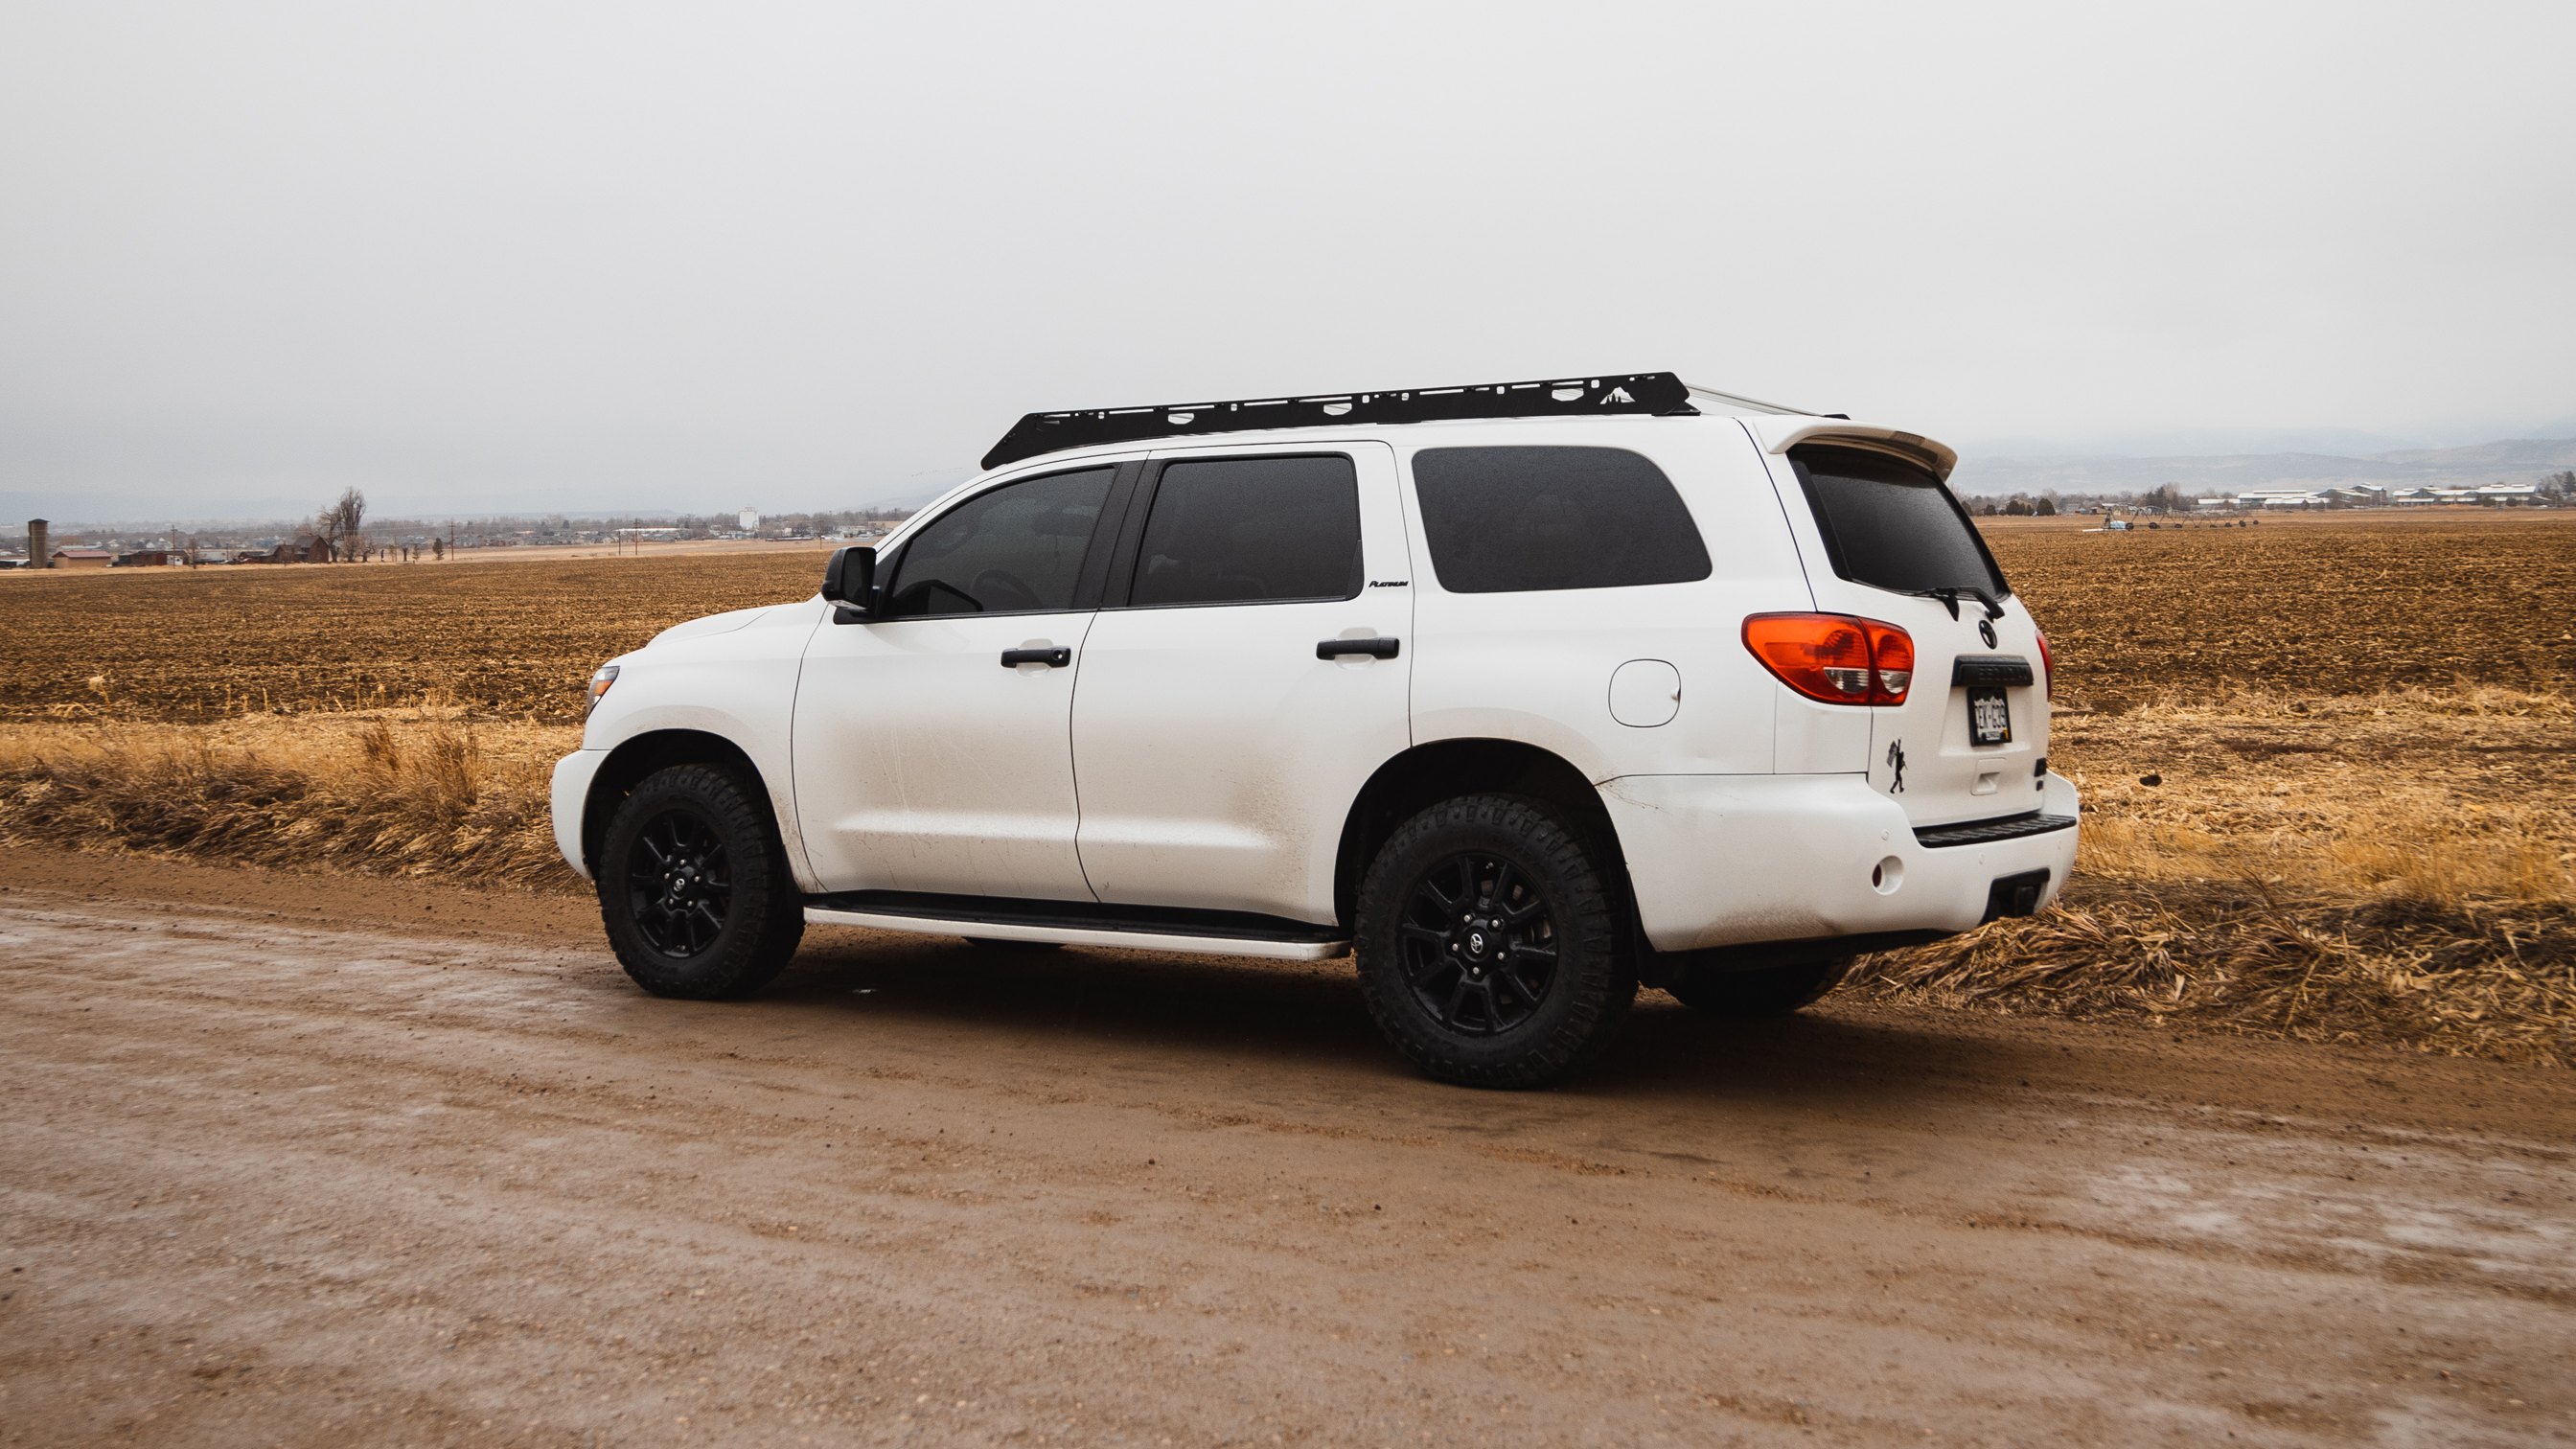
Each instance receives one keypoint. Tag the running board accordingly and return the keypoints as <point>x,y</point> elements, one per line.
<point>1081,923</point>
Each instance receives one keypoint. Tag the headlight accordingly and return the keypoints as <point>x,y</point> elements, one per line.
<point>599,683</point>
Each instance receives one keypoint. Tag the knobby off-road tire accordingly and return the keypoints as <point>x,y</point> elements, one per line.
<point>1772,991</point>
<point>694,887</point>
<point>1489,948</point>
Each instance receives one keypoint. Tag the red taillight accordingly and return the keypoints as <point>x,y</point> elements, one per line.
<point>1891,653</point>
<point>1834,657</point>
<point>2047,670</point>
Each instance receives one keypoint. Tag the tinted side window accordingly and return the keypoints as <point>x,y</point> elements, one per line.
<point>1890,524</point>
<point>1014,550</point>
<point>1506,520</point>
<point>1251,530</point>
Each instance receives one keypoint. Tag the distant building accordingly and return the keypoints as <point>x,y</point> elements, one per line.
<point>83,558</point>
<point>150,558</point>
<point>304,548</point>
<point>751,520</point>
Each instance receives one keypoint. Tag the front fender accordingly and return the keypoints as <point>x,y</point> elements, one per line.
<point>738,686</point>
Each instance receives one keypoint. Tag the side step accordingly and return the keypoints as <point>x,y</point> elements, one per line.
<point>1081,923</point>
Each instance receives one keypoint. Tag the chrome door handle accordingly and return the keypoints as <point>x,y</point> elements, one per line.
<point>1373,648</point>
<point>1051,658</point>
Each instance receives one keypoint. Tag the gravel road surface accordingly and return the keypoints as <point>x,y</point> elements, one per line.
<point>299,1160</point>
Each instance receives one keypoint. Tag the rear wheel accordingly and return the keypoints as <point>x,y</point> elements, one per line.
<point>694,888</point>
<point>1771,991</point>
<point>1488,949</point>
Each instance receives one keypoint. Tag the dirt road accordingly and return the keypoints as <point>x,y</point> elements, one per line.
<point>301,1161</point>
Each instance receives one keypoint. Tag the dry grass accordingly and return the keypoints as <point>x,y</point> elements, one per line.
<point>2449,796</point>
<point>2395,870</point>
<point>2472,978</point>
<point>408,793</point>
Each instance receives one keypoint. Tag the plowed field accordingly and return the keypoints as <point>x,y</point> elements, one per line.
<point>2327,606</point>
<point>509,639</point>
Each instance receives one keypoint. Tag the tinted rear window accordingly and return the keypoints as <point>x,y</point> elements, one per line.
<point>1252,531</point>
<point>1508,520</point>
<point>1890,524</point>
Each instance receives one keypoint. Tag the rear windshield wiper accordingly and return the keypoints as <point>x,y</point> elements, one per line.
<point>1950,599</point>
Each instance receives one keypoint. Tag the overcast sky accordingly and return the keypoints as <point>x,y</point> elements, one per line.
<point>709,255</point>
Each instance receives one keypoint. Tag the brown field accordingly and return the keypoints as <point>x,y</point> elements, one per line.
<point>2335,605</point>
<point>2331,604</point>
<point>511,638</point>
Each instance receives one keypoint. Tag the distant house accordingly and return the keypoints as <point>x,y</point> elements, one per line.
<point>150,558</point>
<point>83,558</point>
<point>305,548</point>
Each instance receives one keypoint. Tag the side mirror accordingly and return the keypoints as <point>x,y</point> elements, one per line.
<point>850,580</point>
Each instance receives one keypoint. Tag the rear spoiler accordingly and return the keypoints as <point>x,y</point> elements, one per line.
<point>1779,435</point>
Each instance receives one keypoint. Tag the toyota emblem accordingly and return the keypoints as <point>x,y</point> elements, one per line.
<point>1986,631</point>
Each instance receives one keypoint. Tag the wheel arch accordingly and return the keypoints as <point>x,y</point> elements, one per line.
<point>1443,769</point>
<point>635,760</point>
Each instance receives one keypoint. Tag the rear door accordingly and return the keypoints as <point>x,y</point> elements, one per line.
<point>1217,754</point>
<point>1967,742</point>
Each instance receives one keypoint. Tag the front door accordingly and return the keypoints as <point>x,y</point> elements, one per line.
<point>1217,753</point>
<point>926,761</point>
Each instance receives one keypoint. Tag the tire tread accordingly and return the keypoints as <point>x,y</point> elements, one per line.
<point>1601,978</point>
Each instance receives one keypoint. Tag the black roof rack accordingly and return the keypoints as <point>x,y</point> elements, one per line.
<point>1635,392</point>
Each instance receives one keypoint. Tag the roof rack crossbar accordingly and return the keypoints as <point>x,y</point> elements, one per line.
<point>1653,393</point>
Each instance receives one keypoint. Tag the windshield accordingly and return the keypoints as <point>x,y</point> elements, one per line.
<point>1890,524</point>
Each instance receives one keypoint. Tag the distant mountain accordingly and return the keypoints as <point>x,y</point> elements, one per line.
<point>2521,460</point>
<point>2198,443</point>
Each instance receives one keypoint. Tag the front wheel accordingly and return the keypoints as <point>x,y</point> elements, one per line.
<point>694,887</point>
<point>1488,948</point>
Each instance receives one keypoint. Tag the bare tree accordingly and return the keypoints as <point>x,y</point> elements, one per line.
<point>339,522</point>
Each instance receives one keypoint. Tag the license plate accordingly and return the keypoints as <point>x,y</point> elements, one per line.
<point>1989,717</point>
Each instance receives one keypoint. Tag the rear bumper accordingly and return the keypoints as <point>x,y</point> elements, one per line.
<point>571,795</point>
<point>1729,860</point>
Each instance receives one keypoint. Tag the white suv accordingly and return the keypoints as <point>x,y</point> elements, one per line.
<point>1524,694</point>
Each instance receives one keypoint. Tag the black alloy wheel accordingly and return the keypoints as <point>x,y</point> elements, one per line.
<point>1479,944</point>
<point>694,887</point>
<point>1488,949</point>
<point>679,883</point>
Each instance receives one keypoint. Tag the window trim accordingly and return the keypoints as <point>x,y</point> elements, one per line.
<point>1097,550</point>
<point>1121,591</point>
